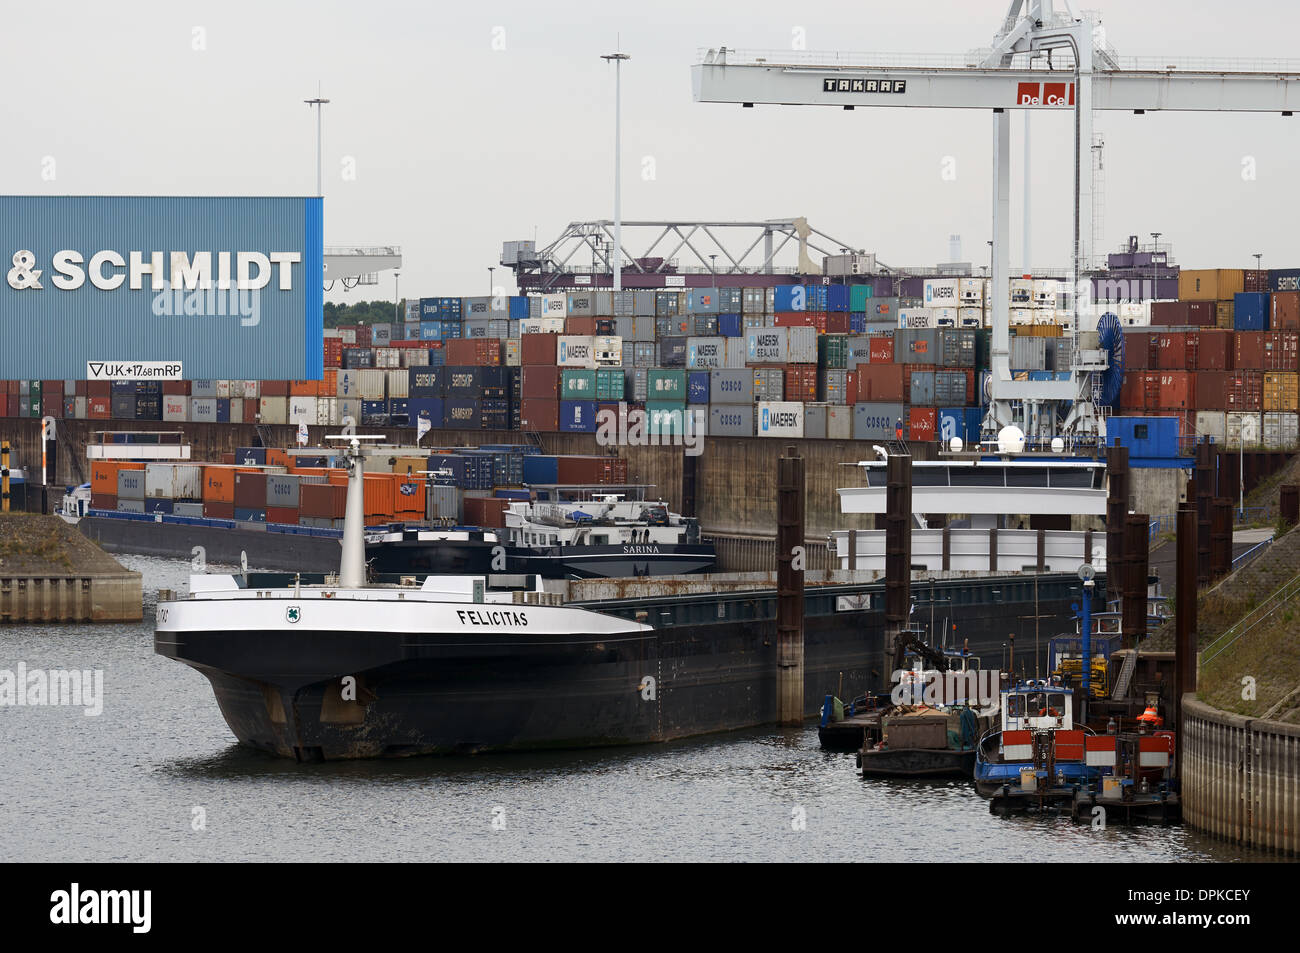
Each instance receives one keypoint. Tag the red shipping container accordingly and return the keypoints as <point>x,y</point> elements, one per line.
<point>801,382</point>
<point>99,408</point>
<point>579,325</point>
<point>284,515</point>
<point>798,319</point>
<point>837,322</point>
<point>1244,391</point>
<point>538,348</point>
<point>97,389</point>
<point>540,381</point>
<point>881,382</point>
<point>1249,351</point>
<point>250,491</point>
<point>540,415</point>
<point>1170,313</point>
<point>486,511</point>
<point>11,388</point>
<point>322,501</point>
<point>1286,310</point>
<point>1137,350</point>
<point>1281,350</point>
<point>851,387</point>
<point>103,501</point>
<point>1177,390</point>
<point>176,388</point>
<point>1214,350</point>
<point>80,390</point>
<point>603,470</point>
<point>275,388</point>
<point>1169,351</point>
<point>218,511</point>
<point>1255,282</point>
<point>921,423</point>
<point>880,349</point>
<point>474,352</point>
<point>1202,314</point>
<point>970,386</point>
<point>1212,390</point>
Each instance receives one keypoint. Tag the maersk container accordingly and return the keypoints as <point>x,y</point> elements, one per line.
<point>697,387</point>
<point>550,306</point>
<point>780,419</point>
<point>915,317</point>
<point>731,420</point>
<point>706,352</point>
<point>769,383</point>
<point>941,292</point>
<point>578,416</point>
<point>172,481</point>
<point>672,352</point>
<point>877,421</point>
<point>576,350</point>
<point>731,386</point>
<point>577,384</point>
<point>814,421</point>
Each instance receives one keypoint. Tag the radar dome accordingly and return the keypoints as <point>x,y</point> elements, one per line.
<point>1058,445</point>
<point>955,444</point>
<point>1011,439</point>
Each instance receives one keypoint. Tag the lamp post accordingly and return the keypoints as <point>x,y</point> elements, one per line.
<point>1155,247</point>
<point>319,104</point>
<point>397,298</point>
<point>617,59</point>
<point>491,287</point>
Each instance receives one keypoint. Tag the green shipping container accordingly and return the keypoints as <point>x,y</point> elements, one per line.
<point>609,383</point>
<point>35,402</point>
<point>578,385</point>
<point>983,348</point>
<point>666,384</point>
<point>665,417</point>
<point>833,351</point>
<point>859,295</point>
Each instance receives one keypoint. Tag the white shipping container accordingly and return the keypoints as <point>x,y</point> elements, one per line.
<point>555,306</point>
<point>370,383</point>
<point>607,350</point>
<point>970,317</point>
<point>780,418</point>
<point>766,345</point>
<point>940,292</point>
<point>541,326</point>
<point>252,390</point>
<point>1045,292</point>
<point>944,317</point>
<point>839,422</point>
<point>1022,292</point>
<point>349,336</point>
<point>971,292</point>
<point>175,407</point>
<point>348,409</point>
<point>1247,426</point>
<point>801,345</point>
<point>388,357</point>
<point>1022,316</point>
<point>577,350</point>
<point>237,410</point>
<point>514,356</point>
<point>80,410</point>
<point>1280,430</point>
<point>224,389</point>
<point>1212,423</point>
<point>398,382</point>
<point>203,410</point>
<point>326,411</point>
<point>173,481</point>
<point>273,410</point>
<point>915,318</point>
<point>302,410</point>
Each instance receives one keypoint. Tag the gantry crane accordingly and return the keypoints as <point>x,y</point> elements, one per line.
<point>1019,71</point>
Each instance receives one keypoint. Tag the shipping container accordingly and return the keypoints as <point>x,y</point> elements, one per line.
<point>578,416</point>
<point>1250,312</point>
<point>769,383</point>
<point>1281,391</point>
<point>731,420</point>
<point>882,382</point>
<point>780,419</point>
<point>172,481</point>
<point>1210,284</point>
<point>731,386</point>
<point>706,352</point>
<point>1281,351</point>
<point>922,424</point>
<point>540,414</point>
<point>877,420</point>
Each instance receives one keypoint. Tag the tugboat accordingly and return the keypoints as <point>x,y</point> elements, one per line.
<point>1036,759</point>
<point>1135,783</point>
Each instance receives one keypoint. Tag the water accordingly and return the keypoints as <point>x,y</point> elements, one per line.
<point>128,786</point>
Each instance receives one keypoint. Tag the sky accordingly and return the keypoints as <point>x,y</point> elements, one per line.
<point>453,128</point>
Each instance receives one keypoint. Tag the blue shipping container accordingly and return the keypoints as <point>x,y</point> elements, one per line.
<point>250,516</point>
<point>430,330</point>
<point>730,325</point>
<point>518,307</point>
<point>223,410</point>
<point>426,381</point>
<point>539,468</point>
<point>1250,311</point>
<point>697,387</point>
<point>466,381</point>
<point>374,408</point>
<point>429,408</point>
<point>250,456</point>
<point>578,416</point>
<point>962,422</point>
<point>857,323</point>
<point>462,413</point>
<point>428,308</point>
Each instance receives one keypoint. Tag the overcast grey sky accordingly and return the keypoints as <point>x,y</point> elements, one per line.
<point>472,124</point>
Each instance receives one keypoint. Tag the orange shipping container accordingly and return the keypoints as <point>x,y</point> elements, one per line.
<point>1281,390</point>
<point>1286,311</point>
<point>277,458</point>
<point>408,496</point>
<point>103,475</point>
<point>304,389</point>
<point>1210,284</point>
<point>380,494</point>
<point>219,483</point>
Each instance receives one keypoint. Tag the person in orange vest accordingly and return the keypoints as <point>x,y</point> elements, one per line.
<point>898,429</point>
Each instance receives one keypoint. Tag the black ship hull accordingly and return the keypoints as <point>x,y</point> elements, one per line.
<point>422,557</point>
<point>709,665</point>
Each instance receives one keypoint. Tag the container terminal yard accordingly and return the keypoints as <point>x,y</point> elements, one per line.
<point>950,547</point>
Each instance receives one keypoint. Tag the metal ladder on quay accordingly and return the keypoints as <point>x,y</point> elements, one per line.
<point>1125,676</point>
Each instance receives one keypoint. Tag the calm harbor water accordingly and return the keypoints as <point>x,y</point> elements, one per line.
<point>132,784</point>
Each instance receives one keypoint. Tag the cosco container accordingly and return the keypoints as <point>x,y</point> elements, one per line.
<point>877,420</point>
<point>731,420</point>
<point>731,386</point>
